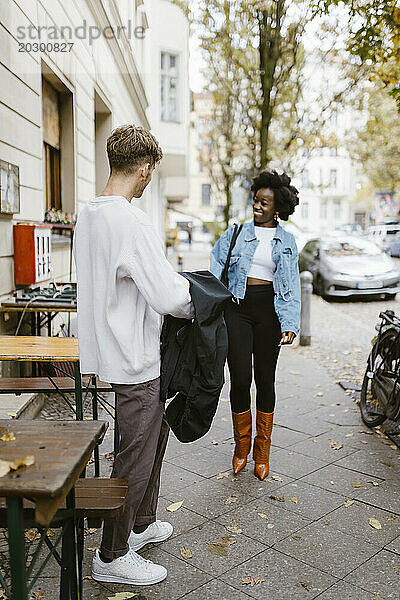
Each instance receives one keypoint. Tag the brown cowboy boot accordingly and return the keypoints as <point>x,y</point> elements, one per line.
<point>262,444</point>
<point>242,435</point>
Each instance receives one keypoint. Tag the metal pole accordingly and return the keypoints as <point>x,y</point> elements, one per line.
<point>306,279</point>
<point>180,262</point>
<point>16,544</point>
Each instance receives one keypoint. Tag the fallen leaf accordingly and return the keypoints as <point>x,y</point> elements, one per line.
<point>294,499</point>
<point>332,482</point>
<point>355,484</point>
<point>277,478</point>
<point>222,475</point>
<point>335,445</point>
<point>374,483</point>
<point>231,500</point>
<point>364,441</point>
<point>91,530</point>
<point>50,533</point>
<point>93,548</point>
<point>8,437</point>
<point>319,394</point>
<point>6,466</point>
<point>263,516</point>
<point>366,432</point>
<point>12,414</point>
<point>234,478</point>
<point>39,595</point>
<point>375,523</point>
<point>348,503</point>
<point>252,581</point>
<point>122,596</point>
<point>279,499</point>
<point>393,446</point>
<point>327,523</point>
<point>217,549</point>
<point>214,443</point>
<point>296,537</point>
<point>224,419</point>
<point>87,577</point>
<point>234,528</point>
<point>32,534</point>
<point>186,553</point>
<point>349,434</point>
<point>175,506</point>
<point>306,585</point>
<point>396,569</point>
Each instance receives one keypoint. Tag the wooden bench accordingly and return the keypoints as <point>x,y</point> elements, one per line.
<point>61,385</point>
<point>95,499</point>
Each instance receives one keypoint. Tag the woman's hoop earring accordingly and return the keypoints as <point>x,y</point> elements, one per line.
<point>276,215</point>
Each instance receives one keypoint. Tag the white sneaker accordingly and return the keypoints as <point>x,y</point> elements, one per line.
<point>130,568</point>
<point>156,532</point>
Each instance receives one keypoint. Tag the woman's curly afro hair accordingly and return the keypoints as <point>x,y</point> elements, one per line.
<point>286,196</point>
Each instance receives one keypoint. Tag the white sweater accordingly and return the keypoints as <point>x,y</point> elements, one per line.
<point>124,282</point>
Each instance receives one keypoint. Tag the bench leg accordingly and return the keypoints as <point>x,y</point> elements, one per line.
<point>95,418</point>
<point>78,391</point>
<point>16,544</point>
<point>71,572</point>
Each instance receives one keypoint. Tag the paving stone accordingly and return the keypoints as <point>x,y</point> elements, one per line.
<point>344,591</point>
<point>216,590</point>
<point>283,577</point>
<point>174,478</point>
<point>275,524</point>
<point>241,549</point>
<point>211,499</point>
<point>283,437</point>
<point>326,548</point>
<point>394,546</point>
<point>294,465</point>
<point>182,520</point>
<point>386,496</point>
<point>321,446</point>
<point>354,521</point>
<point>203,461</point>
<point>339,415</point>
<point>312,502</point>
<point>382,464</point>
<point>248,483</point>
<point>379,575</point>
<point>182,579</point>
<point>302,423</point>
<point>343,481</point>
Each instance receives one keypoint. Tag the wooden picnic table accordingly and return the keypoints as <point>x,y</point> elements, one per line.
<point>46,349</point>
<point>61,450</point>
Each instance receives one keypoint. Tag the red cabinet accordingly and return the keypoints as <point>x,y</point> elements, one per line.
<point>32,253</point>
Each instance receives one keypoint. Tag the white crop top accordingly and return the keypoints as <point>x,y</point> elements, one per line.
<point>262,266</point>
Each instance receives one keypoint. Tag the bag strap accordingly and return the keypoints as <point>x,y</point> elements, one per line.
<point>236,231</point>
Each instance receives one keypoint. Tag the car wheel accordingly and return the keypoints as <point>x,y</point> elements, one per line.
<point>320,286</point>
<point>390,296</point>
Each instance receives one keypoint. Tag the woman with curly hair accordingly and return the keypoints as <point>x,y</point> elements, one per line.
<point>263,276</point>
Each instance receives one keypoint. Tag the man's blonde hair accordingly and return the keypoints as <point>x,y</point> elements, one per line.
<point>129,147</point>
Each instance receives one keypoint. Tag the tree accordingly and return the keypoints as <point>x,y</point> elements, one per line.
<point>375,143</point>
<point>374,36</point>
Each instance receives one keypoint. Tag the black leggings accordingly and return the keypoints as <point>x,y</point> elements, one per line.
<point>253,330</point>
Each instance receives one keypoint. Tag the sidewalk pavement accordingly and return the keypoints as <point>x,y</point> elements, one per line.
<point>305,532</point>
<point>325,523</point>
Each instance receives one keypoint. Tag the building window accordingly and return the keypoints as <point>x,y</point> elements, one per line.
<point>337,209</point>
<point>323,209</point>
<point>206,194</point>
<point>304,210</point>
<point>53,178</point>
<point>201,166</point>
<point>169,87</point>
<point>305,179</point>
<point>333,178</point>
<point>200,126</point>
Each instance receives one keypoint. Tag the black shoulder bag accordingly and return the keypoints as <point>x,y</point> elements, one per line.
<point>236,231</point>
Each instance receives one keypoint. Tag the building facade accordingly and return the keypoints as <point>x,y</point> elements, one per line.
<point>70,73</point>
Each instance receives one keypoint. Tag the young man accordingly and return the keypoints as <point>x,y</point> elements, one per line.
<point>124,282</point>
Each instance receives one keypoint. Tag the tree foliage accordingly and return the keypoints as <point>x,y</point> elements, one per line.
<point>374,36</point>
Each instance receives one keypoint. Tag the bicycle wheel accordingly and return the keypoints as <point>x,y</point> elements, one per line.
<point>382,365</point>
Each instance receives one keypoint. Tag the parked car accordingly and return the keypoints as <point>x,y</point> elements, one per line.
<point>345,266</point>
<point>383,234</point>
<point>351,228</point>
<point>393,246</point>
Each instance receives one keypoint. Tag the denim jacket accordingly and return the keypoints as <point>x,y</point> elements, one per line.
<point>286,279</point>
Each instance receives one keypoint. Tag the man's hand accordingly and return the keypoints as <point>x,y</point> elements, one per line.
<point>287,338</point>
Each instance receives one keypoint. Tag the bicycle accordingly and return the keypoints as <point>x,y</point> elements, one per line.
<point>380,391</point>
